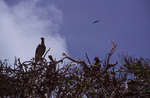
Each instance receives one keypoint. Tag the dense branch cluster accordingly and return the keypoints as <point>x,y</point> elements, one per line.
<point>76,78</point>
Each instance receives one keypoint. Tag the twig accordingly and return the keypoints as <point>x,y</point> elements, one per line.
<point>109,66</point>
<point>71,58</point>
<point>141,88</point>
<point>111,51</point>
<point>46,53</point>
<point>110,54</point>
<point>88,58</point>
<point>126,87</point>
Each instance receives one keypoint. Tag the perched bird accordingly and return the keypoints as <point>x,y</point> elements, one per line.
<point>96,21</point>
<point>52,63</point>
<point>40,50</point>
<point>51,58</point>
<point>96,66</point>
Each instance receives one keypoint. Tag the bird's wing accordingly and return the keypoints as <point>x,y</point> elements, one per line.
<point>95,21</point>
<point>38,49</point>
<point>43,50</point>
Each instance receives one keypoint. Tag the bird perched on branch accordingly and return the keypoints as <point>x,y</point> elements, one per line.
<point>52,63</point>
<point>96,66</point>
<point>40,50</point>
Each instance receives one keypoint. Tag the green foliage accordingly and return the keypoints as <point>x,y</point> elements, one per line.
<point>140,68</point>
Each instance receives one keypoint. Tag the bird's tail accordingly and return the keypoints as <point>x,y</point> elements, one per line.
<point>36,60</point>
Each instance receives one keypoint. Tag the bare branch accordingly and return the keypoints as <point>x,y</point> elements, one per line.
<point>111,51</point>
<point>71,58</point>
<point>88,58</point>
<point>46,52</point>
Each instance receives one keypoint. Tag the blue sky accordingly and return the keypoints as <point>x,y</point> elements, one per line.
<point>127,22</point>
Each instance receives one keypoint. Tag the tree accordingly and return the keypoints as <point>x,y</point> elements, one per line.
<point>76,79</point>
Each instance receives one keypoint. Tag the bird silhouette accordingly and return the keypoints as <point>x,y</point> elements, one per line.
<point>53,66</point>
<point>96,21</point>
<point>40,50</point>
<point>96,65</point>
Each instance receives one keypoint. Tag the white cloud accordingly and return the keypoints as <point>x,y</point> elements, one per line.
<point>22,26</point>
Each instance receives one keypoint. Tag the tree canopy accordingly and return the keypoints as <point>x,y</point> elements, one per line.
<point>77,78</point>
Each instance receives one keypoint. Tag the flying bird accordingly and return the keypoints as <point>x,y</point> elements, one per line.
<point>96,21</point>
<point>40,50</point>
